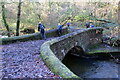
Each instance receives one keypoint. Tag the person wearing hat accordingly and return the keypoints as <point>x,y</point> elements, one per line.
<point>41,28</point>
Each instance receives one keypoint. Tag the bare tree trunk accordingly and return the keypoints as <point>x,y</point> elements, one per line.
<point>18,18</point>
<point>4,20</point>
<point>119,12</point>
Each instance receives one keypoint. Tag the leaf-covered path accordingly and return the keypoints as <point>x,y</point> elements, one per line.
<point>22,60</point>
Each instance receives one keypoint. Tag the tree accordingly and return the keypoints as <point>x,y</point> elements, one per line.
<point>18,18</point>
<point>4,19</point>
<point>119,12</point>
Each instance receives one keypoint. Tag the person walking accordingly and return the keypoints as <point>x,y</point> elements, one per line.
<point>60,29</point>
<point>87,25</point>
<point>41,28</point>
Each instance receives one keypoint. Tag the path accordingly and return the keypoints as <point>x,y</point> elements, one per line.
<point>22,60</point>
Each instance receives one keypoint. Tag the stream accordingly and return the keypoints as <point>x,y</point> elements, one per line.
<point>91,68</point>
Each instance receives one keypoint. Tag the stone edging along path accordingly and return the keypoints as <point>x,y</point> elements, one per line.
<point>34,36</point>
<point>53,62</point>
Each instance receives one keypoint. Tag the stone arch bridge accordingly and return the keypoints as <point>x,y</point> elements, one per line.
<point>54,51</point>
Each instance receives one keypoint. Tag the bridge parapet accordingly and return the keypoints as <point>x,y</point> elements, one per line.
<point>54,51</point>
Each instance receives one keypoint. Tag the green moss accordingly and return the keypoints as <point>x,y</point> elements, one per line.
<point>97,51</point>
<point>54,63</point>
<point>102,51</point>
<point>34,36</point>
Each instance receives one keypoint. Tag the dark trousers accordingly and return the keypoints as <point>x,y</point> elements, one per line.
<point>42,35</point>
<point>59,32</point>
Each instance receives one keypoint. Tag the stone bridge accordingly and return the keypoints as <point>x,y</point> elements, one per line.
<point>54,51</point>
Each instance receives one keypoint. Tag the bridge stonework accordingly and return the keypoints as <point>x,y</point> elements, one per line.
<point>54,51</point>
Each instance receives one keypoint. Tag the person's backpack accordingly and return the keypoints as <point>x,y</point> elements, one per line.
<point>59,27</point>
<point>42,26</point>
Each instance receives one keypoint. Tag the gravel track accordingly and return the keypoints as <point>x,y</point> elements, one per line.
<point>22,60</point>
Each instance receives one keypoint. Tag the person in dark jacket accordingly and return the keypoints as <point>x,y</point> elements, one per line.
<point>41,28</point>
<point>87,24</point>
<point>60,29</point>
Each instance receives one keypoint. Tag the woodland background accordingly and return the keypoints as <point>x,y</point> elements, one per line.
<point>19,18</point>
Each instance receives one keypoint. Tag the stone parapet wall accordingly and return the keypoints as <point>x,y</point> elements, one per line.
<point>82,38</point>
<point>34,36</point>
<point>54,51</point>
